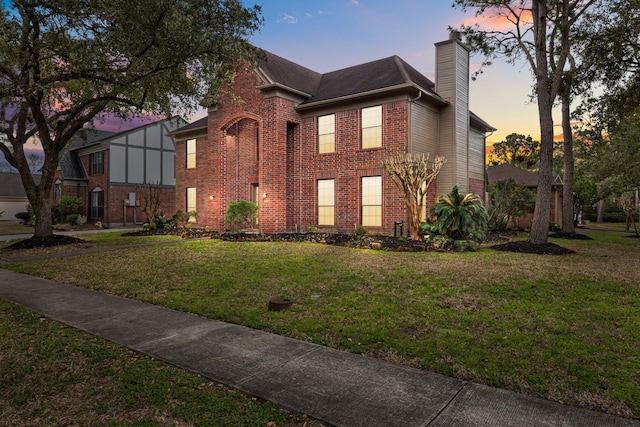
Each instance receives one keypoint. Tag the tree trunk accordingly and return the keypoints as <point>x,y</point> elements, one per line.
<point>40,195</point>
<point>540,225</point>
<point>568,225</point>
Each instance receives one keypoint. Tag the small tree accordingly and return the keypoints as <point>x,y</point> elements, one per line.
<point>413,174</point>
<point>241,215</point>
<point>629,207</point>
<point>151,195</point>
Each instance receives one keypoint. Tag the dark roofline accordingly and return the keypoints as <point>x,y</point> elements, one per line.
<point>125,132</point>
<point>198,125</point>
<point>481,123</point>
<point>403,88</point>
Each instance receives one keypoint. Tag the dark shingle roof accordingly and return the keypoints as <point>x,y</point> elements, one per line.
<point>282,71</point>
<point>505,171</point>
<point>359,79</point>
<point>69,160</point>
<point>12,184</point>
<point>198,124</point>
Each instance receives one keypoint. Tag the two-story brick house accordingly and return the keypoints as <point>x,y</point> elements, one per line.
<point>308,148</point>
<point>104,169</point>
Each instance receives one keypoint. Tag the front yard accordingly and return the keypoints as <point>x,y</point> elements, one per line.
<point>565,328</point>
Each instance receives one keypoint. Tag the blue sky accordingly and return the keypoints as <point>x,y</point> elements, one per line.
<point>326,35</point>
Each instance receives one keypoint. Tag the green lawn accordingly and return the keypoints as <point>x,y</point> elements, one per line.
<point>566,328</point>
<point>53,375</point>
<point>13,227</point>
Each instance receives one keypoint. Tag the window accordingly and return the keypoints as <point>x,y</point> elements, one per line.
<point>97,163</point>
<point>327,133</point>
<point>97,203</point>
<point>191,201</point>
<point>326,202</point>
<point>372,127</point>
<point>372,201</point>
<point>57,190</point>
<point>191,153</point>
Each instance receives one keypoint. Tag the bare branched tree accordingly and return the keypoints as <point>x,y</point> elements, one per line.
<point>151,195</point>
<point>413,174</point>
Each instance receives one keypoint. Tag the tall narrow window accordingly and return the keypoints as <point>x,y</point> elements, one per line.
<point>57,190</point>
<point>97,203</point>
<point>372,127</point>
<point>191,201</point>
<point>326,202</point>
<point>372,201</point>
<point>327,133</point>
<point>191,153</point>
<point>97,163</point>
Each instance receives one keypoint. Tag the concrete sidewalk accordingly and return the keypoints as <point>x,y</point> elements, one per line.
<point>336,387</point>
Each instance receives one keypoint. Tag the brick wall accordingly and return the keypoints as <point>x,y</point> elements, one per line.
<point>266,141</point>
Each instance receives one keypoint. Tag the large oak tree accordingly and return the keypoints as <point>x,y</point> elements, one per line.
<point>540,31</point>
<point>65,63</point>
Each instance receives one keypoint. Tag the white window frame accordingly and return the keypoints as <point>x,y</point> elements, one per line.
<point>371,201</point>
<point>191,201</point>
<point>371,127</point>
<point>327,134</point>
<point>326,201</point>
<point>191,153</point>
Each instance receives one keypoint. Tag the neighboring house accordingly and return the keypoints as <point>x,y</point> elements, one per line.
<point>104,168</point>
<point>13,198</point>
<point>528,179</point>
<point>308,148</point>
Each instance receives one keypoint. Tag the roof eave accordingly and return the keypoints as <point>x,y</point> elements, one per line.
<point>273,88</point>
<point>374,93</point>
<point>481,123</point>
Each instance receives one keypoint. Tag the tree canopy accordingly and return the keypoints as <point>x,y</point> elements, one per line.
<point>541,32</point>
<point>63,64</point>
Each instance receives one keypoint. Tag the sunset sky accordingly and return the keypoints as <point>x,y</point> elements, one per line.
<point>326,35</point>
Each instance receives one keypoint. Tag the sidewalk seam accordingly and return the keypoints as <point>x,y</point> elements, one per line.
<point>449,402</point>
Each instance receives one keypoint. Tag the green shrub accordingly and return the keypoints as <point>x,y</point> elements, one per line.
<point>25,216</point>
<point>461,219</point>
<point>360,232</point>
<point>65,207</point>
<point>76,219</point>
<point>508,199</point>
<point>241,215</point>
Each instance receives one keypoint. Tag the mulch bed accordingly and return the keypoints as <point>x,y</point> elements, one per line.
<point>388,243</point>
<point>524,246</point>
<point>44,242</point>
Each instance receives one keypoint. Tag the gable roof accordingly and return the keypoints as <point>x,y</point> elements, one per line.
<point>282,72</point>
<point>70,163</point>
<point>386,73</point>
<point>371,76</point>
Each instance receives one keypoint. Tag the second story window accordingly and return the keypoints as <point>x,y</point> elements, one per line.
<point>96,163</point>
<point>327,133</point>
<point>191,153</point>
<point>371,126</point>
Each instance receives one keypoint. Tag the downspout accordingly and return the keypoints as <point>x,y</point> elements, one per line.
<point>410,150</point>
<point>108,152</point>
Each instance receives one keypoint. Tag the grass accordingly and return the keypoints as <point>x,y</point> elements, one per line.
<point>8,227</point>
<point>565,328</point>
<point>53,375</point>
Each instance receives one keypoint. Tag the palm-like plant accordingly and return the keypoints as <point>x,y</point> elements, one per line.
<point>460,217</point>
